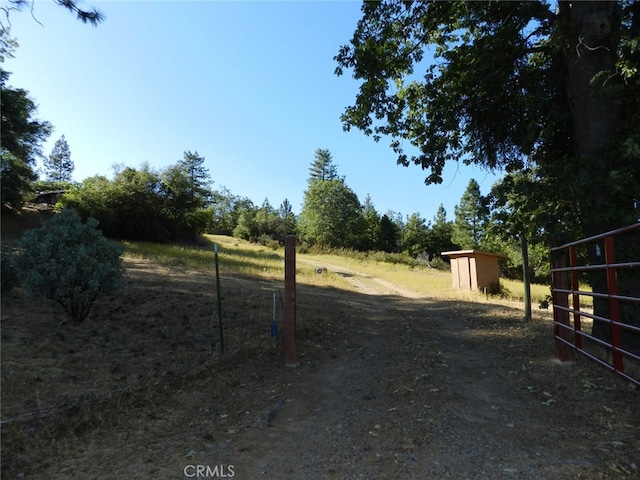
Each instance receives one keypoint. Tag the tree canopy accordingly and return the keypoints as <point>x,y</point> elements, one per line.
<point>141,204</point>
<point>21,136</point>
<point>331,215</point>
<point>511,84</point>
<point>471,217</point>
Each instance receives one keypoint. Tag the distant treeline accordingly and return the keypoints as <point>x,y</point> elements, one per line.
<point>177,204</point>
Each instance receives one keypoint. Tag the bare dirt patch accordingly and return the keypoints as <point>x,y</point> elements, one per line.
<point>388,387</point>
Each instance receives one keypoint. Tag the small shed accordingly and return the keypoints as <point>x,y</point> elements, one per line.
<point>474,270</point>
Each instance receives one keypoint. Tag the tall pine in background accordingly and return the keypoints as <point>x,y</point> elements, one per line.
<point>441,232</point>
<point>58,166</point>
<point>322,167</point>
<point>471,217</point>
<point>198,179</point>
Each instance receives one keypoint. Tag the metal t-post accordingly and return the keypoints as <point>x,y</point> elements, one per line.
<point>215,251</point>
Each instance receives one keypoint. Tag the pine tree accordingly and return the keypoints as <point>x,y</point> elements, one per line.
<point>58,166</point>
<point>471,217</point>
<point>372,225</point>
<point>441,232</point>
<point>288,218</point>
<point>389,236</point>
<point>323,167</point>
<point>198,192</point>
<point>415,236</point>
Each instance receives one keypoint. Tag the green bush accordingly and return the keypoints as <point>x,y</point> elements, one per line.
<point>7,268</point>
<point>69,262</point>
<point>440,264</point>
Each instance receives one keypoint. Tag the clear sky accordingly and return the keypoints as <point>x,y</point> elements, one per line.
<point>250,86</point>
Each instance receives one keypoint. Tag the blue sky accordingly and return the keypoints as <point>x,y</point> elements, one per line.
<point>250,86</point>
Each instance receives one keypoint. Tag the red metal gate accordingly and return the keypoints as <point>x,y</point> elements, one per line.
<point>615,257</point>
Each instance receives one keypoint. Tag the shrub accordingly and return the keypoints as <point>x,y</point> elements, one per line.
<point>268,242</point>
<point>69,262</point>
<point>8,271</point>
<point>440,264</point>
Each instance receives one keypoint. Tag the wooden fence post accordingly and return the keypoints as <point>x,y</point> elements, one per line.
<point>290,357</point>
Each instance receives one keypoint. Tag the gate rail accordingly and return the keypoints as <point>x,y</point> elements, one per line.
<point>569,263</point>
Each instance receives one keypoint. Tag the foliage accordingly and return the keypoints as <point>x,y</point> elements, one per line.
<point>7,44</point>
<point>511,267</point>
<point>48,186</point>
<point>92,16</point>
<point>21,135</point>
<point>192,182</point>
<point>322,168</point>
<point>246,228</point>
<point>289,222</point>
<point>390,235</point>
<point>8,274</point>
<point>15,180</point>
<point>141,204</point>
<point>70,262</point>
<point>439,264</point>
<point>225,210</point>
<point>331,215</point>
<point>471,217</point>
<point>185,194</point>
<point>267,221</point>
<point>415,236</point>
<point>129,207</point>
<point>58,166</point>
<point>521,210</point>
<point>441,233</point>
<point>511,83</point>
<point>265,224</point>
<point>372,229</point>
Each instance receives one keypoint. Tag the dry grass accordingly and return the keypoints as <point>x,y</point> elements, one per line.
<point>235,256</point>
<point>433,283</point>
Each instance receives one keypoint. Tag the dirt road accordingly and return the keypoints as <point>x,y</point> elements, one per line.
<point>365,284</point>
<point>419,389</point>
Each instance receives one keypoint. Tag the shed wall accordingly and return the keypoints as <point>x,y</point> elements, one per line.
<point>473,270</point>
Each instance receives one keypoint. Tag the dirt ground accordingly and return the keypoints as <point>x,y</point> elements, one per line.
<point>390,385</point>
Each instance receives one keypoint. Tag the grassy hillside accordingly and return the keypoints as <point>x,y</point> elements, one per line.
<point>241,257</point>
<point>235,256</point>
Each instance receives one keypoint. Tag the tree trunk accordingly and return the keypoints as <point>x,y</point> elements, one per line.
<point>593,30</point>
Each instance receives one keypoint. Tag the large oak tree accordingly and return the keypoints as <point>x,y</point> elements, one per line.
<point>510,85</point>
